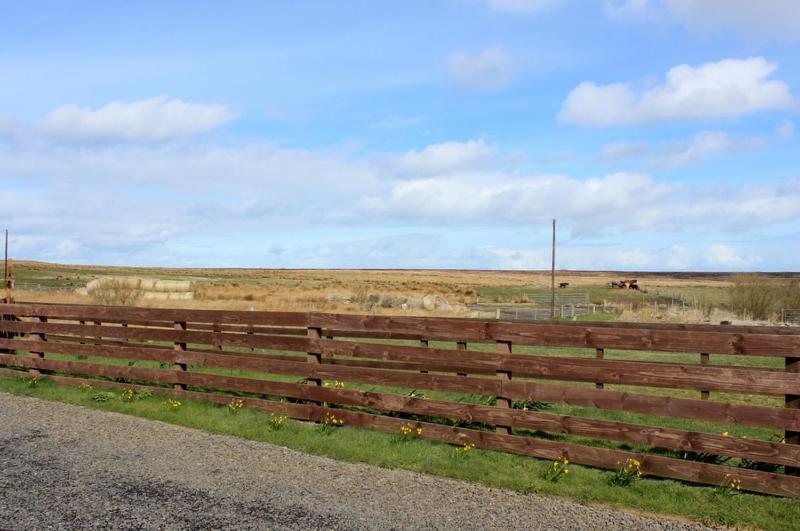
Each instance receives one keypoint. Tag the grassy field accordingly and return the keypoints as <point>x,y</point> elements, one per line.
<point>379,292</point>
<point>665,297</point>
<point>707,505</point>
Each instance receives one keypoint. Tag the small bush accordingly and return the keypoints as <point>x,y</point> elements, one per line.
<point>329,422</point>
<point>103,396</point>
<point>115,293</point>
<point>277,422</point>
<point>557,470</point>
<point>752,296</point>
<point>627,474</point>
<point>235,405</point>
<point>407,432</point>
<point>462,452</point>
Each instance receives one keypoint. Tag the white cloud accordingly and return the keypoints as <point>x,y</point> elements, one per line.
<point>523,7</point>
<point>486,71</point>
<point>202,204</point>
<point>590,204</point>
<point>773,18</point>
<point>614,203</point>
<point>151,119</point>
<point>621,150</point>
<point>446,157</point>
<point>723,256</point>
<point>704,144</point>
<point>728,88</point>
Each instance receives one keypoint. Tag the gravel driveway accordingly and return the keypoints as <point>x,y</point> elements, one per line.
<point>68,467</point>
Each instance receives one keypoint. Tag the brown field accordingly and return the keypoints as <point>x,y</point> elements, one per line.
<point>447,292</point>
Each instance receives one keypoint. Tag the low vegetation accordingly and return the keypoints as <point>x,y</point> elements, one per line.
<point>761,298</point>
<point>724,505</point>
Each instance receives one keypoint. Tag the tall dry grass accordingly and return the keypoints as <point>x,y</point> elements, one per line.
<point>756,297</point>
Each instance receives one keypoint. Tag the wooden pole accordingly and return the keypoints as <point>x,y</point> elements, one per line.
<point>599,354</point>
<point>553,274</point>
<point>503,347</point>
<point>792,401</point>
<point>7,283</point>
<point>179,347</point>
<point>314,358</point>
<point>705,359</point>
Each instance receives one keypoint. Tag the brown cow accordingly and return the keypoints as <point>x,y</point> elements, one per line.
<point>563,285</point>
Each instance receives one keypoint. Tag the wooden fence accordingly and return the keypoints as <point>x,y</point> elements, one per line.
<point>76,344</point>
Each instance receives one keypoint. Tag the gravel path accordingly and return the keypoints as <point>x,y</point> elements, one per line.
<point>68,467</point>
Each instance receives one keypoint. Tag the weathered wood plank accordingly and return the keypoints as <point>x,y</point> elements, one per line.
<point>710,474</point>
<point>133,314</point>
<point>722,412</point>
<point>651,374</point>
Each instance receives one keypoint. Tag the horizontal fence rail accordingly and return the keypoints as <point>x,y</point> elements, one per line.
<point>596,393</point>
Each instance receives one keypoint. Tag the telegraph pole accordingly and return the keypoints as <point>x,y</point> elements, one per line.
<point>553,275</point>
<point>6,283</point>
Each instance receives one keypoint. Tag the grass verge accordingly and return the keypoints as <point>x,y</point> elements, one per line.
<point>524,474</point>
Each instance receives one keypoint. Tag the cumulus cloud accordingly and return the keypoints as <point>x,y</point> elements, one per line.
<point>704,145</point>
<point>779,18</point>
<point>728,88</point>
<point>610,204</point>
<point>615,151</point>
<point>589,203</point>
<point>523,7</point>
<point>485,71</point>
<point>724,257</point>
<point>202,204</point>
<point>147,120</point>
<point>446,157</point>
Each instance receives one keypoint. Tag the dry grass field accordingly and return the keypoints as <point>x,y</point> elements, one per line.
<point>676,297</point>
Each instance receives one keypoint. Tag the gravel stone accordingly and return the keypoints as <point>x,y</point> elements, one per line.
<point>70,467</point>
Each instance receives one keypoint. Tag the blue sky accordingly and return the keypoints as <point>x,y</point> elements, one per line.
<point>660,133</point>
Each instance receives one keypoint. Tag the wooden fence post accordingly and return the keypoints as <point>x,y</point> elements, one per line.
<point>705,359</point>
<point>180,347</point>
<point>251,333</point>
<point>423,343</point>
<point>38,337</point>
<point>793,401</point>
<point>98,339</point>
<point>599,354</point>
<point>216,330</point>
<point>503,347</point>
<point>461,345</point>
<point>314,358</point>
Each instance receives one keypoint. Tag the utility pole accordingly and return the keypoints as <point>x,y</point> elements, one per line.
<point>5,263</point>
<point>6,283</point>
<point>553,275</point>
<point>8,276</point>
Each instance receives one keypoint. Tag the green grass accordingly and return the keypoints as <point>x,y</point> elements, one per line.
<point>496,469</point>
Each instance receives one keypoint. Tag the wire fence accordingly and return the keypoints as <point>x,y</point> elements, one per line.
<point>790,315</point>
<point>28,286</point>
<point>565,311</point>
